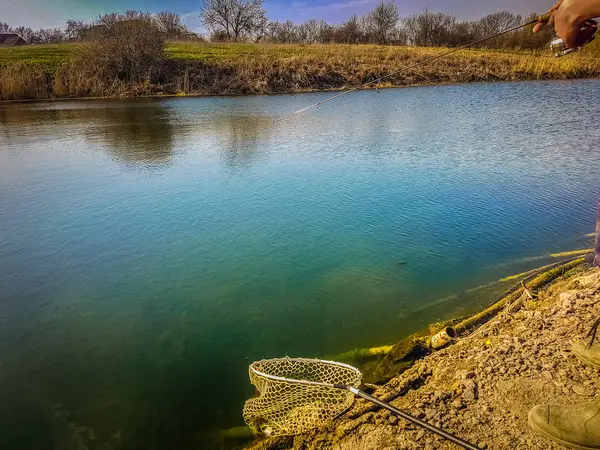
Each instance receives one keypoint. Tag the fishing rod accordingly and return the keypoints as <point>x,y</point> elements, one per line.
<point>588,30</point>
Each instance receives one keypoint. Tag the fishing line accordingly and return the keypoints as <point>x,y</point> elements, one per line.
<point>543,19</point>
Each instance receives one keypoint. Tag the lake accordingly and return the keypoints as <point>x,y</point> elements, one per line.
<point>150,250</point>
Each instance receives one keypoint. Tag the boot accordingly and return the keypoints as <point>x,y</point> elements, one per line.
<point>574,426</point>
<point>586,353</point>
<point>589,352</point>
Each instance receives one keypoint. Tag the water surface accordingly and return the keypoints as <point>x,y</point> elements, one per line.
<point>151,249</point>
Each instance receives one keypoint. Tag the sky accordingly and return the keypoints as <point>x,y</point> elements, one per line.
<point>54,13</point>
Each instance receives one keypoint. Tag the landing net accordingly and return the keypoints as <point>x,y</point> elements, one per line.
<point>294,395</point>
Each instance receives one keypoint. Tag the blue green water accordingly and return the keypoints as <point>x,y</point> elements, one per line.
<point>151,249</point>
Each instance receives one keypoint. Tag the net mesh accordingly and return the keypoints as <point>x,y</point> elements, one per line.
<point>292,406</point>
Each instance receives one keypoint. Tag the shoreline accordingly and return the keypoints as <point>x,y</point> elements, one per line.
<point>190,70</point>
<point>509,365</point>
<point>277,94</point>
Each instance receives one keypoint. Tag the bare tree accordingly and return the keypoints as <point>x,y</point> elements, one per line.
<point>125,46</point>
<point>237,18</point>
<point>282,32</point>
<point>27,34</point>
<point>499,21</point>
<point>349,32</point>
<point>49,36</point>
<point>310,31</point>
<point>325,33</point>
<point>429,28</point>
<point>170,24</point>
<point>462,33</point>
<point>5,28</point>
<point>381,22</point>
<point>75,30</point>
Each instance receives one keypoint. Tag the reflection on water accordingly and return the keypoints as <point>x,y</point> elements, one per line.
<point>242,137</point>
<point>151,249</point>
<point>135,135</point>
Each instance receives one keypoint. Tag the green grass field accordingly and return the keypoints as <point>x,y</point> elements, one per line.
<point>51,56</point>
<point>47,56</point>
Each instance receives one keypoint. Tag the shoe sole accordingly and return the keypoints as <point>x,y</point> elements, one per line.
<point>551,437</point>
<point>587,361</point>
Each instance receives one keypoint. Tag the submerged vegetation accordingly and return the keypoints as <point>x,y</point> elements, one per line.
<point>380,364</point>
<point>201,68</point>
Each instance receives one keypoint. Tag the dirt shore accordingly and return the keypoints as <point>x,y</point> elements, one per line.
<point>482,387</point>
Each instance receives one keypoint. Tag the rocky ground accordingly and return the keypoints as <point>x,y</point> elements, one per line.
<point>482,387</point>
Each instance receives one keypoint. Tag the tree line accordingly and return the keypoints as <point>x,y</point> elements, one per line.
<point>246,20</point>
<point>166,23</point>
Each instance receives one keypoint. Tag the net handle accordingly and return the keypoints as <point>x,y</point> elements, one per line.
<point>305,382</point>
<point>458,441</point>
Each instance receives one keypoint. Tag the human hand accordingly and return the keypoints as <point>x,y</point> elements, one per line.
<point>568,18</point>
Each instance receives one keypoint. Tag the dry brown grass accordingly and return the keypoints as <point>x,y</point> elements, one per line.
<point>253,69</point>
<point>20,80</point>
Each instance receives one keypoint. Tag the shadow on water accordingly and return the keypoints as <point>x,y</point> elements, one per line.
<point>119,389</point>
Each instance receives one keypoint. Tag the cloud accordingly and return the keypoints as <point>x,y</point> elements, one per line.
<point>193,22</point>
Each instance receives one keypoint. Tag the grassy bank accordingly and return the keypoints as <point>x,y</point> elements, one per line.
<point>51,71</point>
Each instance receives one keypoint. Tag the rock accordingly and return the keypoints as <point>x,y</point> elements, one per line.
<point>580,390</point>
<point>590,281</point>
<point>469,384</point>
<point>568,311</point>
<point>457,404</point>
<point>568,297</point>
<point>469,395</point>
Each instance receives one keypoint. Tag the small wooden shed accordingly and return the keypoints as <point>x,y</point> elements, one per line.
<point>11,40</point>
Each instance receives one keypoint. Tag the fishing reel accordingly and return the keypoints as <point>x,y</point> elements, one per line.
<point>586,34</point>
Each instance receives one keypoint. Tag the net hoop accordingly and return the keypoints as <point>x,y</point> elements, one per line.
<point>292,380</point>
<point>295,395</point>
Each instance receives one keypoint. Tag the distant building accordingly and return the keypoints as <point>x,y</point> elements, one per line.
<point>11,40</point>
